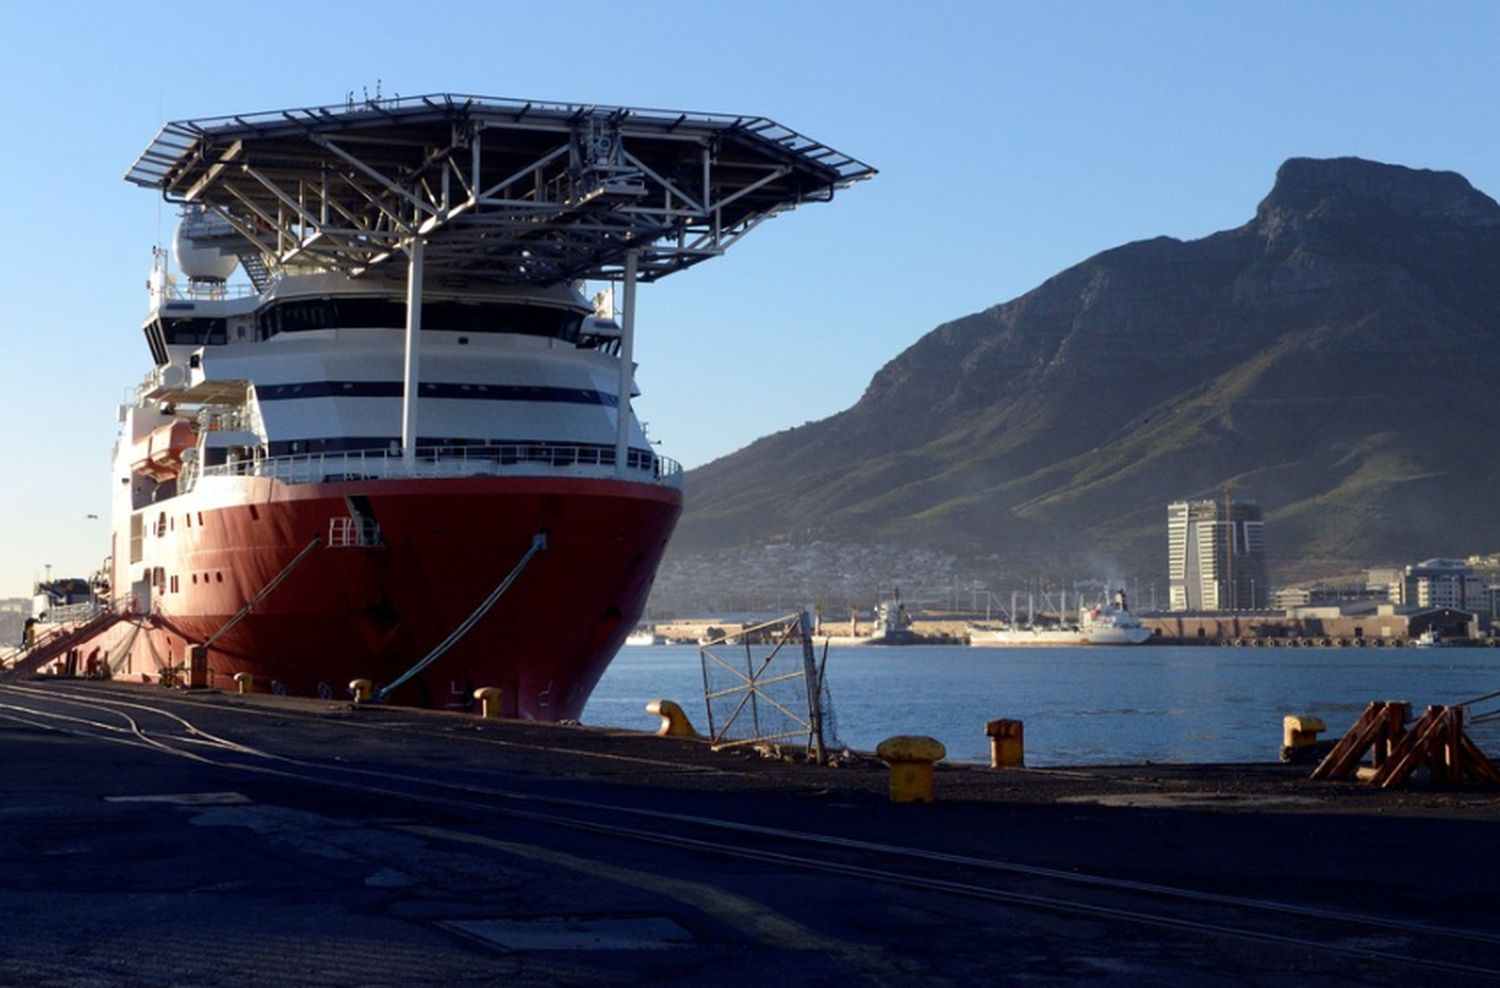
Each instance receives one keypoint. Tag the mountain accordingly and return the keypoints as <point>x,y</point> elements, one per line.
<point>1333,357</point>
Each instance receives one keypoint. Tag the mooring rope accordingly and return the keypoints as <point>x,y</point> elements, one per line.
<point>265,591</point>
<point>1477,699</point>
<point>538,543</point>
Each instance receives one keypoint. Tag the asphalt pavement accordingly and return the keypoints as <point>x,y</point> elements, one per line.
<point>197,838</point>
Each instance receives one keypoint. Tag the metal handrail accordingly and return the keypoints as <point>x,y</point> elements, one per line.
<point>509,459</point>
<point>73,613</point>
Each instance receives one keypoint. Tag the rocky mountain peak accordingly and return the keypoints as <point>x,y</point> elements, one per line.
<point>1334,357</point>
<point>1320,191</point>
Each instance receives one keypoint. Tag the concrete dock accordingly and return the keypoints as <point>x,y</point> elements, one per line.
<point>152,837</point>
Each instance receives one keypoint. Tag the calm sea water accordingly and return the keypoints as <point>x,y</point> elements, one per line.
<point>1088,706</point>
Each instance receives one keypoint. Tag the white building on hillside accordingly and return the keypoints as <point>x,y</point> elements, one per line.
<point>1444,583</point>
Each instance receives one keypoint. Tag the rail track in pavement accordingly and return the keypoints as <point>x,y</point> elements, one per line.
<point>164,727</point>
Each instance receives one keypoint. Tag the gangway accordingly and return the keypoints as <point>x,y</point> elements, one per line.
<point>57,641</point>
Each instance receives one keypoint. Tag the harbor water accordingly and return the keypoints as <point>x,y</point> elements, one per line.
<point>1088,706</point>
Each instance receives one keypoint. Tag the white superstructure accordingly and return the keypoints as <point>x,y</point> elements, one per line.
<point>1105,624</point>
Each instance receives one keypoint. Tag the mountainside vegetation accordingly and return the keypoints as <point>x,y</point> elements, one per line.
<point>1333,358</point>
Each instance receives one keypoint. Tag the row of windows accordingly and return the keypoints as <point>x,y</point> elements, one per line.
<point>173,586</point>
<point>436,389</point>
<point>168,523</point>
<point>300,315</point>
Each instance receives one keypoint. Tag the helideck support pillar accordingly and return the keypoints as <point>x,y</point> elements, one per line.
<point>409,380</point>
<point>627,367</point>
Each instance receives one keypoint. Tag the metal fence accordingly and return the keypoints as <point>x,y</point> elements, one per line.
<point>764,685</point>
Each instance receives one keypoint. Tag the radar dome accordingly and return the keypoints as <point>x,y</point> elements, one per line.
<point>190,246</point>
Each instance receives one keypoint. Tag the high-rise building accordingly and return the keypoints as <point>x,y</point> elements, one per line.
<point>1216,555</point>
<point>1444,583</point>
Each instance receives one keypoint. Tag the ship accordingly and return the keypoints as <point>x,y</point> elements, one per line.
<point>644,635</point>
<point>1101,624</point>
<point>891,626</point>
<point>401,448</point>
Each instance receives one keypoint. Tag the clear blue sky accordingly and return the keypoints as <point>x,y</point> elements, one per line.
<point>1013,140</point>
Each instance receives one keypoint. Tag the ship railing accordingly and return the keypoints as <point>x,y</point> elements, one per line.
<point>353,533</point>
<point>73,613</point>
<point>503,460</point>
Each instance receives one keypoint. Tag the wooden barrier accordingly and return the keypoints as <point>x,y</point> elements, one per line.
<point>1437,740</point>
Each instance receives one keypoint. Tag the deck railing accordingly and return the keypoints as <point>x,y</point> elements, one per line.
<point>517,459</point>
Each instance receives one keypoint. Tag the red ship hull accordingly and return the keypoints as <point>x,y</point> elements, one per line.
<point>373,611</point>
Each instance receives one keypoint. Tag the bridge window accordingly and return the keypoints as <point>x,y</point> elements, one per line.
<point>301,315</point>
<point>177,331</point>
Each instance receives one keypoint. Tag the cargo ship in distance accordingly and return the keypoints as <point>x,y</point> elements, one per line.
<point>1104,624</point>
<point>405,451</point>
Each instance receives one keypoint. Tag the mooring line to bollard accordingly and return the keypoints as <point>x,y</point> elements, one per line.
<point>538,543</point>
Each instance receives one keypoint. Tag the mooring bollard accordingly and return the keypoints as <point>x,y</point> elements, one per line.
<point>489,701</point>
<point>1007,743</point>
<point>361,689</point>
<point>244,682</point>
<point>674,722</point>
<point>1299,737</point>
<point>911,758</point>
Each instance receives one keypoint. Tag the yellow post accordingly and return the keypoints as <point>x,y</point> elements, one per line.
<point>361,688</point>
<point>1007,743</point>
<point>911,758</point>
<point>674,723</point>
<point>1298,736</point>
<point>489,701</point>
<point>244,682</point>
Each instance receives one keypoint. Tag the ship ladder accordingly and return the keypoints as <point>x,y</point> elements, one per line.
<point>538,543</point>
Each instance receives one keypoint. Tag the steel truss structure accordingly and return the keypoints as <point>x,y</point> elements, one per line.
<point>494,190</point>
<point>778,696</point>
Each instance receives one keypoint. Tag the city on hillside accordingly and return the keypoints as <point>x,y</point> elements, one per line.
<point>1216,588</point>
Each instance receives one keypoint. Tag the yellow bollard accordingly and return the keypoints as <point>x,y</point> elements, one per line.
<point>1300,731</point>
<point>489,701</point>
<point>244,682</point>
<point>910,758</point>
<point>361,688</point>
<point>674,723</point>
<point>1299,737</point>
<point>1007,743</point>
